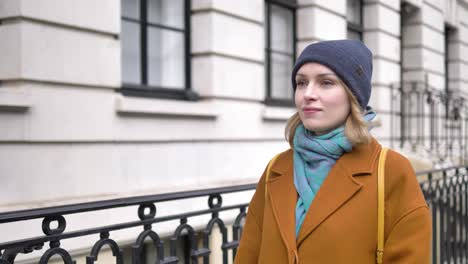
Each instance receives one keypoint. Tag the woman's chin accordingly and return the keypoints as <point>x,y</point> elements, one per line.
<point>318,130</point>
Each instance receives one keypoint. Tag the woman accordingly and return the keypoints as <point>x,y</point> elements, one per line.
<point>319,202</point>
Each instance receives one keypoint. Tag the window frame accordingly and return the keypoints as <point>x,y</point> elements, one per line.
<point>353,27</point>
<point>269,100</point>
<point>143,89</point>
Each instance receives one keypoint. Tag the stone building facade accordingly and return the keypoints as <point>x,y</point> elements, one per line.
<point>111,98</point>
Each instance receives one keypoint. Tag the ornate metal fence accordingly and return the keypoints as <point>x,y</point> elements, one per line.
<point>429,120</point>
<point>446,192</point>
<point>195,242</point>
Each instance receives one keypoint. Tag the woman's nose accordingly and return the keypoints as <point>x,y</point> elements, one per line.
<point>311,92</point>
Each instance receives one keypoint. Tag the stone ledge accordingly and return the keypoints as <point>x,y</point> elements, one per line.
<point>159,107</point>
<point>277,113</point>
<point>14,102</point>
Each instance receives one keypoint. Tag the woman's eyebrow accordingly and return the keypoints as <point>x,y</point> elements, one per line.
<point>301,75</point>
<point>326,74</point>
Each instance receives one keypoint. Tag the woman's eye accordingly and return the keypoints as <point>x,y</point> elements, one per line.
<point>300,83</point>
<point>327,82</point>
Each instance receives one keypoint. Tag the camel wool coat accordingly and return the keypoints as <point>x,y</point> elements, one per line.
<point>341,223</point>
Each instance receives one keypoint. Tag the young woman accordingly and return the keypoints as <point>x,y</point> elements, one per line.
<point>319,202</point>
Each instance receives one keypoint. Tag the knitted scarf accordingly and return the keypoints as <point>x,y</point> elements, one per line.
<point>314,156</point>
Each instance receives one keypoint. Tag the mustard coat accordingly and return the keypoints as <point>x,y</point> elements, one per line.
<point>341,224</point>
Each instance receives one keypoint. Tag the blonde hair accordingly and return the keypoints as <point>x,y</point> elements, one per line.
<point>356,128</point>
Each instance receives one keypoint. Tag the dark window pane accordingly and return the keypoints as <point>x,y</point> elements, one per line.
<point>353,14</point>
<point>354,35</point>
<point>266,24</point>
<point>281,86</point>
<point>130,8</point>
<point>166,12</point>
<point>282,27</point>
<point>166,64</point>
<point>131,54</point>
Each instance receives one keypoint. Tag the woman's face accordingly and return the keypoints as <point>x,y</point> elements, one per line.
<point>321,99</point>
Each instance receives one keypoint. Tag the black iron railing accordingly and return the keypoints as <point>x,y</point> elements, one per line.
<point>195,242</point>
<point>446,192</point>
<point>430,120</point>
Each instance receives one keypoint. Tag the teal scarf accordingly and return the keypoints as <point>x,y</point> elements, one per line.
<point>313,158</point>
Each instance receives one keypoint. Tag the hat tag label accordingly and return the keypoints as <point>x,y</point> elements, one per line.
<point>360,70</point>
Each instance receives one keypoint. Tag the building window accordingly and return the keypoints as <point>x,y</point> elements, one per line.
<point>155,40</point>
<point>448,35</point>
<point>280,51</point>
<point>354,19</point>
<point>449,31</point>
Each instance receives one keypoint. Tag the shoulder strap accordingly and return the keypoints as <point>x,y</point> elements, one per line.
<point>267,174</point>
<point>381,205</point>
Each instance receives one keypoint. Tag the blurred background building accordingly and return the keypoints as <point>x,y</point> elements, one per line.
<point>109,98</point>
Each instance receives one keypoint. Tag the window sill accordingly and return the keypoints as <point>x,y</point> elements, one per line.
<point>158,92</point>
<point>14,102</point>
<point>168,108</point>
<point>271,113</point>
<point>276,102</point>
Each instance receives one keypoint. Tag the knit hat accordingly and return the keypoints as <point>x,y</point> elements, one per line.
<point>351,60</point>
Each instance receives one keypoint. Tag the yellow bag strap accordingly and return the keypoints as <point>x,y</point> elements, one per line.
<point>381,205</point>
<point>267,175</point>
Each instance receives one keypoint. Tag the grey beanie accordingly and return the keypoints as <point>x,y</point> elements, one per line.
<point>351,60</point>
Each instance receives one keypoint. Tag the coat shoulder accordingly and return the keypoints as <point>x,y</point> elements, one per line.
<point>399,170</point>
<point>282,161</point>
<point>285,154</point>
<point>402,190</point>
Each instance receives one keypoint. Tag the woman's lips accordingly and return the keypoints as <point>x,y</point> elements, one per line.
<point>311,110</point>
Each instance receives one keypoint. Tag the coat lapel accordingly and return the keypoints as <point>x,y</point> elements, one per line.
<point>339,186</point>
<point>336,190</point>
<point>283,197</point>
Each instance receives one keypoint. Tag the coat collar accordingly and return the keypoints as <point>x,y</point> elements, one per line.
<point>340,182</point>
